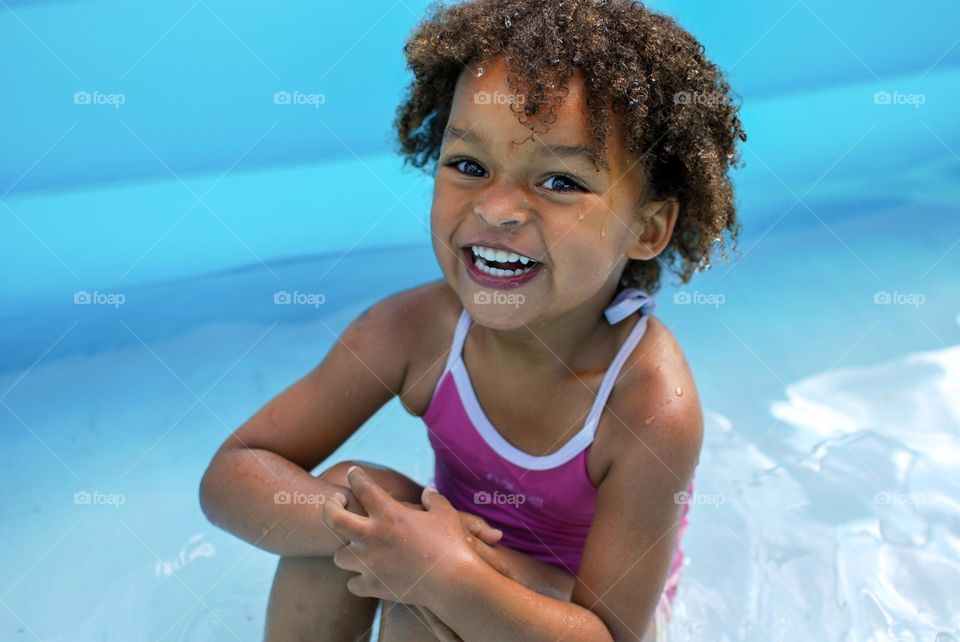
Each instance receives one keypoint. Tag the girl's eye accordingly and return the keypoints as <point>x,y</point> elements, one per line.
<point>555,183</point>
<point>466,166</point>
<point>563,183</point>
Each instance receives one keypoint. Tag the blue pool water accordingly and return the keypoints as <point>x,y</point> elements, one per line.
<point>827,356</point>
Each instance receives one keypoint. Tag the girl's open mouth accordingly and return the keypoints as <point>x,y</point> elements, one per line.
<point>498,268</point>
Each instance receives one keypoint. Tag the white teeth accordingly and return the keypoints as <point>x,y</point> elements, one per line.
<point>501,256</point>
<point>483,267</point>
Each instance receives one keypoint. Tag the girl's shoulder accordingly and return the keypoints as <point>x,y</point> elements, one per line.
<point>655,404</point>
<point>424,319</point>
<point>414,315</point>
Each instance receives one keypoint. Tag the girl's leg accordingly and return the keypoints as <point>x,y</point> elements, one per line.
<point>399,622</point>
<point>309,599</point>
<point>402,623</point>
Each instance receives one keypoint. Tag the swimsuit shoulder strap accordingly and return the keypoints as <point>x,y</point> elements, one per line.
<point>610,377</point>
<point>459,337</point>
<point>456,347</point>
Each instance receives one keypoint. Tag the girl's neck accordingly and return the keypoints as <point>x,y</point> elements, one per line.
<point>554,344</point>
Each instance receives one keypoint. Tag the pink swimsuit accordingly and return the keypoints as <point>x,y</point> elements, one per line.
<point>544,505</point>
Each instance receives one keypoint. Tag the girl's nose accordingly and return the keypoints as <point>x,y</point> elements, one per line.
<point>505,219</point>
<point>503,209</point>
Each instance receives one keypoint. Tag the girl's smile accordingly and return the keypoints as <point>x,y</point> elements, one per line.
<point>499,266</point>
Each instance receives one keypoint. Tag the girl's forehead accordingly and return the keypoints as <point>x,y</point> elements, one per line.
<point>485,107</point>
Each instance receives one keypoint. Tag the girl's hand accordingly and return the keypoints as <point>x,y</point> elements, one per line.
<point>401,554</point>
<point>535,575</point>
<point>479,528</point>
<point>473,524</point>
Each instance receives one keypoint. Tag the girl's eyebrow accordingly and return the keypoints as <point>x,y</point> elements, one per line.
<point>576,152</point>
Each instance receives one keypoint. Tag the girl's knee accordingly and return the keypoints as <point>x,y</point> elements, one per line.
<point>398,485</point>
<point>336,474</point>
<point>309,569</point>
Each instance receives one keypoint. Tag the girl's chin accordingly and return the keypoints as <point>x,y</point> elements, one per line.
<point>496,309</point>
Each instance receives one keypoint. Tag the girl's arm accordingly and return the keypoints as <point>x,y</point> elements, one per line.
<point>535,575</point>
<point>538,576</point>
<point>258,485</point>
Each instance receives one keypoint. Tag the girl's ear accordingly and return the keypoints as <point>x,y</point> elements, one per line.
<point>656,221</point>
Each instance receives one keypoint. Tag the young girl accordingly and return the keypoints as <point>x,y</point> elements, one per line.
<point>577,148</point>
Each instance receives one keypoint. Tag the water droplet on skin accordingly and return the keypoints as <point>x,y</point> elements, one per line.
<point>659,366</point>
<point>603,230</point>
<point>669,400</point>
<point>581,215</point>
<point>679,391</point>
<point>648,420</point>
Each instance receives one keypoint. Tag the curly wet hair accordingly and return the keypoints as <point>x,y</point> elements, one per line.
<point>678,113</point>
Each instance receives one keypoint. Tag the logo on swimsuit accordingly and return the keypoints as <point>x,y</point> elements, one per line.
<point>507,484</point>
<point>496,497</point>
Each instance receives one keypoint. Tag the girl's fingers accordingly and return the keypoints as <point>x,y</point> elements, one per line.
<point>347,560</point>
<point>345,524</point>
<point>479,528</point>
<point>490,535</point>
<point>373,497</point>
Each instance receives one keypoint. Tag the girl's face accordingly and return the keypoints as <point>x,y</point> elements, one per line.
<point>527,232</point>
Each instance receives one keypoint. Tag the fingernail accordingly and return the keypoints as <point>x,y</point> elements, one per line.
<point>340,497</point>
<point>431,489</point>
<point>498,532</point>
<point>352,468</point>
